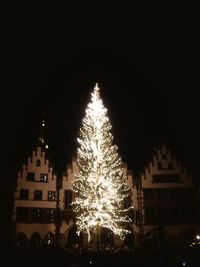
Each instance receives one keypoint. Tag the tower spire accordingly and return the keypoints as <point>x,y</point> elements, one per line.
<point>96,88</point>
<point>41,138</point>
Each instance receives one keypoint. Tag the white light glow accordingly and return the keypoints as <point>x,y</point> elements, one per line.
<point>198,237</point>
<point>100,186</point>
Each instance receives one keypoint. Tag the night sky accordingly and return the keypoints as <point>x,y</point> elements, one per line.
<point>145,60</point>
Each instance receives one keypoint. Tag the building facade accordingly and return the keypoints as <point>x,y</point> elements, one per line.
<point>164,195</point>
<point>35,201</point>
<point>167,198</point>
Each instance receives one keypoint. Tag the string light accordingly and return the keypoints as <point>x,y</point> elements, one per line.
<point>100,186</point>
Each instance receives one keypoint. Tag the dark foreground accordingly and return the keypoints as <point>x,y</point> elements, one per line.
<point>187,257</point>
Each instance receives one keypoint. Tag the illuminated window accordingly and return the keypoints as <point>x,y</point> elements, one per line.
<point>49,240</point>
<point>30,176</point>
<point>38,195</point>
<point>36,215</point>
<point>23,194</point>
<point>50,215</point>
<point>43,177</point>
<point>51,195</point>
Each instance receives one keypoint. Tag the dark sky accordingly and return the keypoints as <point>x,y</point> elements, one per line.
<point>145,59</point>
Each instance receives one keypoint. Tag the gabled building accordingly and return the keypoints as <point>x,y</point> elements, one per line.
<point>167,198</point>
<point>35,199</point>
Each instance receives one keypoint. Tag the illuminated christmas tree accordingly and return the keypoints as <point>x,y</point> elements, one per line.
<point>100,186</point>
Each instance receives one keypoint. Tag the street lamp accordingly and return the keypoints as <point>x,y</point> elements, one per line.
<point>198,237</point>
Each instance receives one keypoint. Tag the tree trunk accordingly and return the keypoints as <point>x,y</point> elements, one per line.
<point>98,236</point>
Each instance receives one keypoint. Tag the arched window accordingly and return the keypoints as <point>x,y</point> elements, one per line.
<point>129,239</point>
<point>73,240</point>
<point>21,240</point>
<point>49,240</point>
<point>107,237</point>
<point>35,240</point>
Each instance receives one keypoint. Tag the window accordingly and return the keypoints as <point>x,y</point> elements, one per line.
<point>68,199</point>
<point>23,194</point>
<point>107,237</point>
<point>159,165</point>
<point>30,176</point>
<point>51,195</point>
<point>36,215</point>
<point>22,215</point>
<point>137,217</point>
<point>166,178</point>
<point>49,240</point>
<point>127,202</point>
<point>38,195</point>
<point>147,215</point>
<point>38,163</point>
<point>35,241</point>
<point>160,194</point>
<point>50,215</point>
<point>164,156</point>
<point>151,215</point>
<point>170,165</point>
<point>148,194</point>
<point>43,177</point>
<point>21,240</point>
